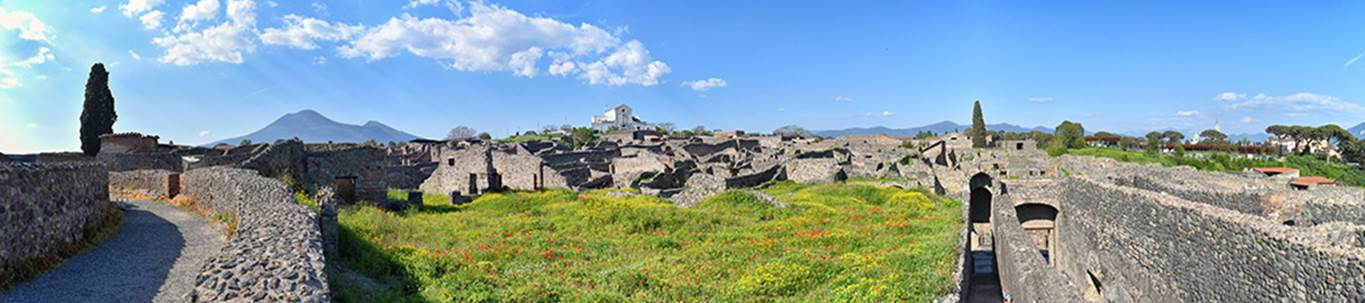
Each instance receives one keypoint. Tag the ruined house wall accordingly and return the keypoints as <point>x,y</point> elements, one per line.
<point>136,161</point>
<point>454,170</point>
<point>1024,275</point>
<point>1247,202</point>
<point>518,172</point>
<point>322,167</point>
<point>812,171</point>
<point>48,208</point>
<point>148,182</point>
<point>275,254</point>
<point>408,176</point>
<point>1150,247</point>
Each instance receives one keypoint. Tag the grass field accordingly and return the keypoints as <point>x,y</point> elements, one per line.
<point>835,243</point>
<point>1307,165</point>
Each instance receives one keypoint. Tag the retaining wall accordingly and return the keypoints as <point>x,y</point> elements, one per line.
<point>1143,246</point>
<point>48,208</point>
<point>1024,275</point>
<point>149,182</point>
<point>276,253</point>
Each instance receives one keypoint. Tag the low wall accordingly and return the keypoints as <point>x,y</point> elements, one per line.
<point>1143,246</point>
<point>148,182</point>
<point>276,252</point>
<point>1024,275</point>
<point>49,209</point>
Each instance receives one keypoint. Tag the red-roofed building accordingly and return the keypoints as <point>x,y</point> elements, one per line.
<point>1310,181</point>
<point>1277,171</point>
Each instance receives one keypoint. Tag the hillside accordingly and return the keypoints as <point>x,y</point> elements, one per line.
<point>310,126</point>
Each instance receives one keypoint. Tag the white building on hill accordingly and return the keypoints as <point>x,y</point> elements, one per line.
<point>620,117</point>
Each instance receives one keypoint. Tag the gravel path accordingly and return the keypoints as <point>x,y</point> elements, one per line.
<point>154,257</point>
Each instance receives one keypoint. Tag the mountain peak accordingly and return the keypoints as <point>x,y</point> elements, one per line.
<point>311,126</point>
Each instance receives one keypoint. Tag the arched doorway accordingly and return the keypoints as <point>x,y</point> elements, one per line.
<point>979,203</point>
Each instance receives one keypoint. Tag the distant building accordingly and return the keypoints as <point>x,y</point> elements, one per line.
<point>729,134</point>
<point>620,117</point>
<point>127,143</point>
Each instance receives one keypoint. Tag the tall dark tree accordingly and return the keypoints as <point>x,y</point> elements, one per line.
<point>97,115</point>
<point>978,130</point>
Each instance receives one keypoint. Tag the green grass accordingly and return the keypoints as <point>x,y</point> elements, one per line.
<point>835,243</point>
<point>1307,165</point>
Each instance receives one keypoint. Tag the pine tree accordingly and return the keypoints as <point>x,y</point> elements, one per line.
<point>978,130</point>
<point>97,116</point>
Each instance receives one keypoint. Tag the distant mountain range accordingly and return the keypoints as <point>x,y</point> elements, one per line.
<point>937,128</point>
<point>312,127</point>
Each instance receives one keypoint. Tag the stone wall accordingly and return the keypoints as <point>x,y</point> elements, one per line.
<point>136,161</point>
<point>1143,246</point>
<point>148,182</point>
<point>408,176</point>
<point>1024,275</point>
<point>818,170</point>
<point>323,166</point>
<point>276,252</point>
<point>49,208</point>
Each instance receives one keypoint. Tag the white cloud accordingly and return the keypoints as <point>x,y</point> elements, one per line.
<point>320,8</point>
<point>204,133</point>
<point>705,85</point>
<point>134,7</point>
<point>494,38</point>
<point>30,28</point>
<point>843,99</point>
<point>1040,99</point>
<point>31,125</point>
<point>224,42</point>
<point>98,9</point>
<point>201,11</point>
<point>44,54</point>
<point>152,20</point>
<point>1246,120</point>
<point>1187,113</point>
<point>888,114</point>
<point>301,32</point>
<point>1299,102</point>
<point>319,60</point>
<point>134,54</point>
<point>1353,60</point>
<point>9,79</point>
<point>418,3</point>
<point>1230,96</point>
<point>272,3</point>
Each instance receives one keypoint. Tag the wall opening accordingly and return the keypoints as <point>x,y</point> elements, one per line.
<point>345,186</point>
<point>1039,222</point>
<point>473,184</point>
<point>1019,146</point>
<point>172,185</point>
<point>450,161</point>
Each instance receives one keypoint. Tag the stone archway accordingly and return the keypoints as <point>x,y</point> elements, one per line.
<point>979,201</point>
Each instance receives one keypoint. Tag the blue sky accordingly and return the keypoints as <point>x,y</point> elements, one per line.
<point>201,70</point>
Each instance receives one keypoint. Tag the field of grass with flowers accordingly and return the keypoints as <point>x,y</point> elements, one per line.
<point>837,242</point>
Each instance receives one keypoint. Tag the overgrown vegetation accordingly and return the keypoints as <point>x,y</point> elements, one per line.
<point>834,243</point>
<point>1308,165</point>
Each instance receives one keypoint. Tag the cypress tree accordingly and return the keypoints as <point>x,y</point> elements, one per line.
<point>97,115</point>
<point>978,130</point>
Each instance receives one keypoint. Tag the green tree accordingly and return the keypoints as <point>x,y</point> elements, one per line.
<point>792,130</point>
<point>1068,135</point>
<point>485,136</point>
<point>978,130</point>
<point>246,142</point>
<point>1154,142</point>
<point>1212,136</point>
<point>97,114</point>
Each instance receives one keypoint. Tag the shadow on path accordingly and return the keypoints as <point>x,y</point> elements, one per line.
<point>135,265</point>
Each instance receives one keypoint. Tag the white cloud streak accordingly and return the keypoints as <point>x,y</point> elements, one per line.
<point>224,42</point>
<point>1187,113</point>
<point>705,85</point>
<point>302,32</point>
<point>30,28</point>
<point>1230,96</point>
<point>134,7</point>
<point>1352,61</point>
<point>98,9</point>
<point>843,99</point>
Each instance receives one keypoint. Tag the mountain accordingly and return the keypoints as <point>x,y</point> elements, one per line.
<point>937,128</point>
<point>312,127</point>
<point>1358,130</point>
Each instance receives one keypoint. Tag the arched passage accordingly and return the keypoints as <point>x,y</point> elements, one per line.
<point>979,208</point>
<point>979,203</point>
